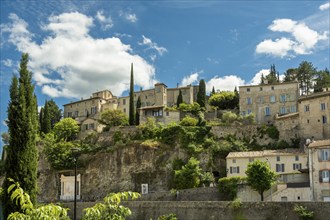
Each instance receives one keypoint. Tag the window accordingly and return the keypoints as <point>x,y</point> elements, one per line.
<point>76,113</point>
<point>324,176</point>
<point>272,99</point>
<point>296,158</point>
<point>157,89</point>
<point>248,101</point>
<point>69,114</point>
<point>282,110</point>
<point>322,106</point>
<point>146,97</point>
<point>306,108</point>
<point>267,111</point>
<point>124,110</point>
<point>272,87</point>
<point>167,113</point>
<point>93,110</point>
<point>278,158</point>
<point>293,108</point>
<point>157,113</point>
<point>145,112</point>
<point>85,127</point>
<point>324,154</point>
<point>260,88</point>
<point>234,160</point>
<point>248,89</point>
<point>124,101</point>
<point>324,119</point>
<point>234,169</point>
<point>243,113</point>
<point>91,126</point>
<point>260,99</point>
<point>280,167</point>
<point>296,166</point>
<point>249,111</point>
<point>282,98</point>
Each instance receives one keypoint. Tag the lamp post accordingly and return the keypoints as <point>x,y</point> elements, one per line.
<point>271,187</point>
<point>75,154</point>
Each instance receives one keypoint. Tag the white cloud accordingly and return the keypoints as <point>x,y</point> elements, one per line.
<point>226,83</point>
<point>7,62</point>
<point>131,17</point>
<point>106,22</point>
<point>191,79</point>
<point>257,77</point>
<point>303,39</point>
<point>122,35</point>
<point>152,45</point>
<point>71,63</point>
<point>325,6</point>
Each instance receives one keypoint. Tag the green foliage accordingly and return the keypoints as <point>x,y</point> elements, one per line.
<point>322,80</point>
<point>291,75</point>
<point>50,114</point>
<point>179,99</point>
<point>190,108</point>
<point>273,132</point>
<point>148,129</point>
<point>303,212</point>
<point>228,186</point>
<point>273,76</point>
<point>188,121</point>
<point>169,134</point>
<point>188,176</point>
<point>27,209</point>
<point>111,118</point>
<point>282,144</point>
<point>170,216</point>
<point>236,204</point>
<point>224,100</point>
<point>22,155</point>
<point>260,177</point>
<point>306,74</point>
<point>131,117</point>
<point>110,208</point>
<point>137,114</point>
<point>201,95</point>
<point>207,178</point>
<point>229,117</point>
<point>66,130</point>
<point>150,143</point>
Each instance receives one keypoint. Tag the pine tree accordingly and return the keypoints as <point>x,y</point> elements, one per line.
<point>179,99</point>
<point>137,114</point>
<point>131,99</point>
<point>51,114</point>
<point>201,95</point>
<point>22,155</point>
<point>262,79</point>
<point>306,73</point>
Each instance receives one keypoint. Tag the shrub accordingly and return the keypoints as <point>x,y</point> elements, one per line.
<point>207,178</point>
<point>188,176</point>
<point>273,132</point>
<point>228,186</point>
<point>168,217</point>
<point>229,117</point>
<point>303,212</point>
<point>188,121</point>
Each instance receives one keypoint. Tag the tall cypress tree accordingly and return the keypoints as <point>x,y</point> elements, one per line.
<point>137,114</point>
<point>179,99</point>
<point>131,99</point>
<point>201,95</point>
<point>46,125</point>
<point>41,116</point>
<point>22,155</point>
<point>213,91</point>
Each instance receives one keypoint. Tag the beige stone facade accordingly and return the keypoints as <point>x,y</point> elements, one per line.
<point>314,115</point>
<point>284,162</point>
<point>268,100</point>
<point>153,104</point>
<point>319,169</point>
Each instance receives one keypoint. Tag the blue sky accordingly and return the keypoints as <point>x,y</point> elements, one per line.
<point>79,47</point>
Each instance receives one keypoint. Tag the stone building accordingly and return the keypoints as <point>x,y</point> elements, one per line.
<point>314,115</point>
<point>154,103</point>
<point>268,100</point>
<point>319,169</point>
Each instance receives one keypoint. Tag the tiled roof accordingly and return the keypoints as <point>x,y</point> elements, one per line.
<point>319,143</point>
<point>264,153</point>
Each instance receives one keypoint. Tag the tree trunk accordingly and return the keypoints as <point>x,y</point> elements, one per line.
<point>262,196</point>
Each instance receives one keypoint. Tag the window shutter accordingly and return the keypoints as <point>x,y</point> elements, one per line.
<point>294,167</point>
<point>282,167</point>
<point>299,166</point>
<point>237,169</point>
<point>231,170</point>
<point>320,175</point>
<point>277,167</point>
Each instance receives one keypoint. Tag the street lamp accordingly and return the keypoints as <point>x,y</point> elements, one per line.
<point>75,154</point>
<point>271,187</point>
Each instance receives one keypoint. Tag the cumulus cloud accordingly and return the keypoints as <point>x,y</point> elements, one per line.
<point>325,6</point>
<point>71,63</point>
<point>191,79</point>
<point>225,83</point>
<point>131,17</point>
<point>303,39</point>
<point>257,77</point>
<point>106,22</point>
<point>152,45</point>
<point>7,62</point>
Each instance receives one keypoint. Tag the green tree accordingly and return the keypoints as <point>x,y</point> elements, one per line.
<point>272,77</point>
<point>306,74</point>
<point>322,80</point>
<point>46,125</point>
<point>188,121</point>
<point>137,115</point>
<point>27,209</point>
<point>111,118</point>
<point>22,155</point>
<point>191,108</point>
<point>224,100</point>
<point>213,91</point>
<point>201,95</point>
<point>189,175</point>
<point>55,113</point>
<point>66,130</point>
<point>260,177</point>
<point>291,75</point>
<point>111,208</point>
<point>179,99</point>
<point>131,99</point>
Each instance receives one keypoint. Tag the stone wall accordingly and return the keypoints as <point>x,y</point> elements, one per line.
<point>197,210</point>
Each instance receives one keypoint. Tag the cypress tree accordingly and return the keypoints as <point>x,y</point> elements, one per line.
<point>201,95</point>
<point>41,116</point>
<point>46,125</point>
<point>131,99</point>
<point>22,157</point>
<point>213,91</point>
<point>179,99</point>
<point>137,114</point>
<point>55,113</point>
